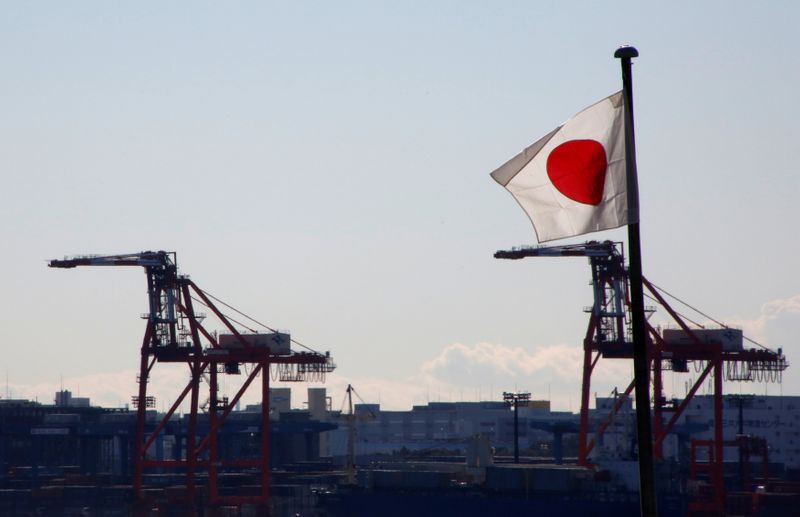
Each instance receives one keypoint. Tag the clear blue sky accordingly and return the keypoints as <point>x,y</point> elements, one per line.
<point>324,166</point>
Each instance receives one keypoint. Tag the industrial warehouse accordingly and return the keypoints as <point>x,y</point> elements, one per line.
<point>71,457</point>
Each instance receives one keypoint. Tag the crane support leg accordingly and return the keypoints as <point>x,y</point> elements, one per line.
<point>719,481</point>
<point>213,488</point>
<point>191,457</point>
<point>588,366</point>
<point>265,434</point>
<point>658,397</point>
<point>141,410</point>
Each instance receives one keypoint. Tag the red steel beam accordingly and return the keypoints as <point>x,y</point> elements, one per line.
<point>684,403</point>
<point>672,313</point>
<point>171,411</point>
<point>657,352</point>
<point>191,459</point>
<point>588,366</point>
<point>193,319</point>
<point>141,411</point>
<point>212,419</point>
<point>617,406</point>
<point>658,422</point>
<point>265,431</point>
<point>195,367</point>
<point>219,315</point>
<point>719,480</point>
<point>231,405</point>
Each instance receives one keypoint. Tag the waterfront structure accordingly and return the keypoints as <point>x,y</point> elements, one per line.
<point>450,425</point>
<point>37,439</point>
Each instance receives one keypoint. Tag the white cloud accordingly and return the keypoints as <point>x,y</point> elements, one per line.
<point>777,325</point>
<point>458,372</point>
<point>553,371</point>
<point>459,364</point>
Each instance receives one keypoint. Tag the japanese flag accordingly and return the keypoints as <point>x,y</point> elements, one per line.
<point>573,180</point>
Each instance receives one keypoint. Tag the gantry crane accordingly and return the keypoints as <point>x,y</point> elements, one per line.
<point>609,336</point>
<point>350,467</point>
<point>351,417</point>
<point>174,334</point>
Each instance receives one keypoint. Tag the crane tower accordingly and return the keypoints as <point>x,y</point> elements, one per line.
<point>713,352</point>
<point>175,334</point>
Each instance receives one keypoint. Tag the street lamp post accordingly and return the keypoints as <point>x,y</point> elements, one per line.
<point>516,400</point>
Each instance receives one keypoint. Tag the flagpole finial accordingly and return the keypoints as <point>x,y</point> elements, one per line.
<point>626,52</point>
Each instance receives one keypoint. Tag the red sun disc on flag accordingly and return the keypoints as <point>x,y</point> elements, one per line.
<point>577,169</point>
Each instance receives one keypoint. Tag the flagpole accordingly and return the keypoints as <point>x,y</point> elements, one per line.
<point>641,365</point>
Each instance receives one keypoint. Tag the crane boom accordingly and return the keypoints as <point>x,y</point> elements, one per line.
<point>588,249</point>
<point>163,287</point>
<point>146,259</point>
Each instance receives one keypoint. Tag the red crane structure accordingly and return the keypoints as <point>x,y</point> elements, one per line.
<point>609,336</point>
<point>175,334</point>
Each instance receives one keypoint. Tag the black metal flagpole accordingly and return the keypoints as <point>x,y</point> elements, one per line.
<point>641,365</point>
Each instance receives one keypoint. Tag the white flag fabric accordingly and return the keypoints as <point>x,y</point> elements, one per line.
<point>573,180</point>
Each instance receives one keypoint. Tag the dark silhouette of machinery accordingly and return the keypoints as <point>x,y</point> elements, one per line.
<point>718,350</point>
<point>351,417</point>
<point>175,334</point>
